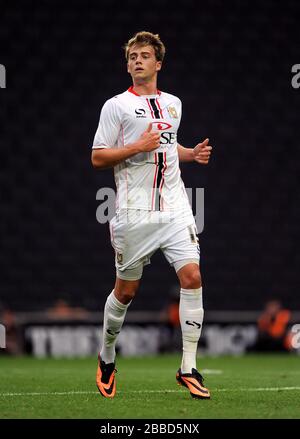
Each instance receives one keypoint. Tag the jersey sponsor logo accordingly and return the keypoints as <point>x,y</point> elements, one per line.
<point>167,138</point>
<point>161,125</point>
<point>172,112</point>
<point>193,324</point>
<point>140,112</point>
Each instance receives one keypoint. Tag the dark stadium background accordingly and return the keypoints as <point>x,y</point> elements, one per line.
<point>230,63</point>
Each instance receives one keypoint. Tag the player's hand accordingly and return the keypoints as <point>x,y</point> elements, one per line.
<point>149,140</point>
<point>202,152</point>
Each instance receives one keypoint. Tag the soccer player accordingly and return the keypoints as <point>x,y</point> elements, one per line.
<point>137,136</point>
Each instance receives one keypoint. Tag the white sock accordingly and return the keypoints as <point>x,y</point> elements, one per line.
<point>114,315</point>
<point>191,319</point>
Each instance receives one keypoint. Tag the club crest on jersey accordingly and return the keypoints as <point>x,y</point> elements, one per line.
<point>140,112</point>
<point>172,112</point>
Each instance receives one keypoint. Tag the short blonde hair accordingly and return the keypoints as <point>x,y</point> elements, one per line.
<point>147,39</point>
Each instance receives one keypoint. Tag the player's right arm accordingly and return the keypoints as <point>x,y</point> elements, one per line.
<point>105,152</point>
<point>109,157</point>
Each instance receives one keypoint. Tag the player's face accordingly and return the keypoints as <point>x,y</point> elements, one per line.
<point>142,64</point>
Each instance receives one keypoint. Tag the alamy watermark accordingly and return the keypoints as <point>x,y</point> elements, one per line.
<point>296,78</point>
<point>2,76</point>
<point>153,202</point>
<point>2,337</point>
<point>296,336</point>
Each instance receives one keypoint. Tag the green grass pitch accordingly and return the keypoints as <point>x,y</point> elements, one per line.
<point>252,386</point>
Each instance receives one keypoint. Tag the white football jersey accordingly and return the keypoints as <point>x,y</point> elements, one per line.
<point>148,181</point>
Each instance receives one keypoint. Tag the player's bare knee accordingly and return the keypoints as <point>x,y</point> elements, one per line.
<point>192,280</point>
<point>127,296</point>
<point>125,290</point>
<point>125,293</point>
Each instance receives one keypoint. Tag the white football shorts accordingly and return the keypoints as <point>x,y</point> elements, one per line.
<point>137,234</point>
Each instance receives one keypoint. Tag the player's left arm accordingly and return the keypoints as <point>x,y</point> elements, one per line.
<point>200,153</point>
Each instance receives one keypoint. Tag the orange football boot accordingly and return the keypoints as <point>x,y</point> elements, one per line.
<point>194,382</point>
<point>105,378</point>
